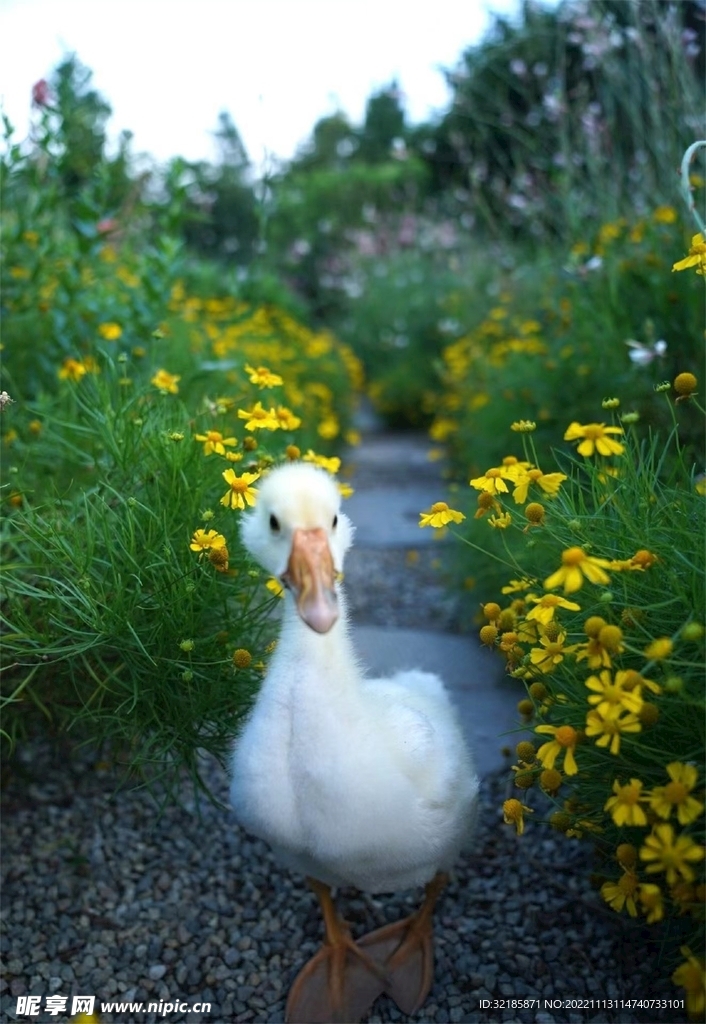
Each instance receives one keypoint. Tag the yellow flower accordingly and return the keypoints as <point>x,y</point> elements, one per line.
<point>345,490</point>
<point>242,658</point>
<point>218,557</point>
<point>500,522</point>
<point>595,438</point>
<point>523,426</point>
<point>576,565</point>
<point>493,480</point>
<point>624,806</point>
<point>286,418</point>
<point>240,492</point>
<point>513,814</point>
<point>651,900</point>
<point>550,654</point>
<point>548,482</point>
<point>275,587</point>
<point>332,464</point>
<point>659,649</point>
<point>110,331</point>
<point>516,586</point>
<point>263,377</point>
<point>696,257</point>
<point>166,382</point>
<point>610,727</point>
<point>546,606</point>
<point>259,418</point>
<point>214,441</point>
<point>622,893</point>
<point>565,738</point>
<point>72,369</point>
<point>673,856</point>
<point>328,428</point>
<point>664,215</point>
<point>439,515</point>
<point>685,384</point>
<point>204,540</point>
<point>691,976</point>
<point>609,694</point>
<point>676,795</point>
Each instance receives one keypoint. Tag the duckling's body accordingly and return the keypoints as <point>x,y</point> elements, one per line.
<point>352,781</point>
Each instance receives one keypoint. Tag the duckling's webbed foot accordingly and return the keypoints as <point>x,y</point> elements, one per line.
<point>405,952</point>
<point>341,982</point>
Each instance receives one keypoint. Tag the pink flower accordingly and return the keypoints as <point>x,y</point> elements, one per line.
<point>41,93</point>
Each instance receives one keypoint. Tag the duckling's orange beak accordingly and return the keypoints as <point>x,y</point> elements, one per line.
<point>310,575</point>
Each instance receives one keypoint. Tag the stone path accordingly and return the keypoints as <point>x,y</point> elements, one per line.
<point>394,480</point>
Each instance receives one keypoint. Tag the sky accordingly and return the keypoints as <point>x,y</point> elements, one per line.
<point>169,67</point>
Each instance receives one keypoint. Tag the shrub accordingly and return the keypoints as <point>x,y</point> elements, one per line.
<point>136,418</point>
<point>602,617</point>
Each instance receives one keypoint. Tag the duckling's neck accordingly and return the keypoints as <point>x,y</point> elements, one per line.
<point>315,660</point>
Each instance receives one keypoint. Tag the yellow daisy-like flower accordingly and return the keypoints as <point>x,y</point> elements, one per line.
<point>577,566</point>
<point>676,795</point>
<point>332,464</point>
<point>691,976</point>
<point>548,482</point>
<point>263,377</point>
<point>651,901</point>
<point>439,515</point>
<point>214,441</point>
<point>72,369</point>
<point>258,418</point>
<point>167,383</point>
<point>594,438</point>
<point>696,257</point>
<point>664,215</point>
<point>240,491</point>
<point>565,739</point>
<point>663,852</point>
<point>659,649</point>
<point>286,418</point>
<point>205,540</point>
<point>514,814</point>
<point>624,805</point>
<point>110,331</point>
<point>609,694</point>
<point>546,606</point>
<point>610,727</point>
<point>275,587</point>
<point>622,893</point>
<point>550,654</point>
<point>523,426</point>
<point>516,586</point>
<point>493,480</point>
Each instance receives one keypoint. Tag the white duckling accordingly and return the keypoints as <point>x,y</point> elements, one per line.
<point>352,781</point>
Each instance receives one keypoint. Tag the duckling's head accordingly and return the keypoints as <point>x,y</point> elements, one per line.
<point>298,534</point>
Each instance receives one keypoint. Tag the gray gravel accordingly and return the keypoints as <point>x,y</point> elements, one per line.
<point>105,895</point>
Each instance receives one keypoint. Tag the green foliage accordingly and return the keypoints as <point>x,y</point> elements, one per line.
<point>574,112</point>
<point>139,412</point>
<point>553,335</point>
<point>602,617</point>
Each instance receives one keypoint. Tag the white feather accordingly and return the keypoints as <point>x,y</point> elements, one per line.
<point>354,781</point>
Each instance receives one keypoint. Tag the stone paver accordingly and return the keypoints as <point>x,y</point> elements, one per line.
<point>394,480</point>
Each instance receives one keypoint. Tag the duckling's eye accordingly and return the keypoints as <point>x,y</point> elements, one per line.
<point>274,523</point>
<point>335,522</point>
